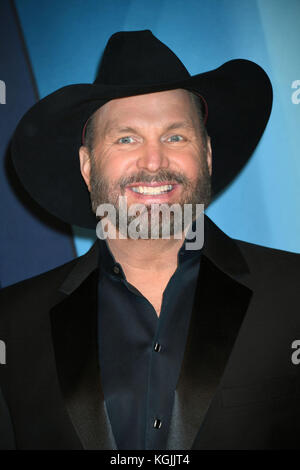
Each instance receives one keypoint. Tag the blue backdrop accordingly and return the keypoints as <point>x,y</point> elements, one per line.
<point>66,37</point>
<point>31,241</point>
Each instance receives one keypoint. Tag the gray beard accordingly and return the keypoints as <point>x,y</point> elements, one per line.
<point>101,192</point>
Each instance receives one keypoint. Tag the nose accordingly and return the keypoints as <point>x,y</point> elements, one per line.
<point>153,157</point>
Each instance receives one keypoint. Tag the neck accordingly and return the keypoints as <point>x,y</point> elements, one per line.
<point>147,264</point>
<point>146,256</point>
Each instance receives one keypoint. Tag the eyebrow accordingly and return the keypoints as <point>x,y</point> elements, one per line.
<point>180,125</point>
<point>175,125</point>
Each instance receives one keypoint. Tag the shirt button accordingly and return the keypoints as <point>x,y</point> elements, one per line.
<point>116,269</point>
<point>157,347</point>
<point>157,423</point>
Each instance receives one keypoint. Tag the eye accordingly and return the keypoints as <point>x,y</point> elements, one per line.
<point>126,140</point>
<point>175,138</point>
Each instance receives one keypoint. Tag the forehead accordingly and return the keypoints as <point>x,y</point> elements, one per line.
<point>153,106</point>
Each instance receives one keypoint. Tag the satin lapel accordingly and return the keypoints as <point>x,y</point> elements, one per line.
<point>74,330</point>
<point>221,302</point>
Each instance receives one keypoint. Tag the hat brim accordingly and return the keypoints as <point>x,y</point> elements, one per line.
<point>46,142</point>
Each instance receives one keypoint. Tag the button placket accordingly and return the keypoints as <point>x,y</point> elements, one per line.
<point>116,269</point>
<point>157,423</point>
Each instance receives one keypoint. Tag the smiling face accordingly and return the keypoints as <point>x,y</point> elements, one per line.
<point>149,148</point>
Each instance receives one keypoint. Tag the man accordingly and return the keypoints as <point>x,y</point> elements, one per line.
<point>144,343</point>
<point>6,430</point>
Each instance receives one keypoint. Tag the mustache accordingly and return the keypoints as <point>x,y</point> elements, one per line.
<point>160,177</point>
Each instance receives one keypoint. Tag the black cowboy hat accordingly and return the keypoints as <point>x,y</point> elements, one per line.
<point>46,142</point>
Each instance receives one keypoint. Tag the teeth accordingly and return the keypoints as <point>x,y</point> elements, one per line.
<point>152,190</point>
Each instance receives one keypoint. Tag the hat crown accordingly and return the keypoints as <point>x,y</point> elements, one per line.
<point>138,58</point>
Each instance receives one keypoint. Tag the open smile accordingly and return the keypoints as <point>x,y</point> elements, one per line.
<point>152,189</point>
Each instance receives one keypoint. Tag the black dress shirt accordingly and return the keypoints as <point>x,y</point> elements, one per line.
<point>140,354</point>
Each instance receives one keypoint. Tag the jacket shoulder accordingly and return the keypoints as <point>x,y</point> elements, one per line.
<point>270,261</point>
<point>31,291</point>
<point>48,277</point>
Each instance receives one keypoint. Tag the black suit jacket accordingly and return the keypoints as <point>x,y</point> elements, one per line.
<point>6,430</point>
<point>238,387</point>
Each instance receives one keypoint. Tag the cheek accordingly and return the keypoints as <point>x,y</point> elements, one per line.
<point>189,163</point>
<point>116,164</point>
<point>111,165</point>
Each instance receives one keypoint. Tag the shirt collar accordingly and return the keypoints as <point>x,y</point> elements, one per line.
<point>223,251</point>
<point>109,264</point>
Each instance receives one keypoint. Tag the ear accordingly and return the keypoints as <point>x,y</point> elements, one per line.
<point>85,165</point>
<point>209,155</point>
